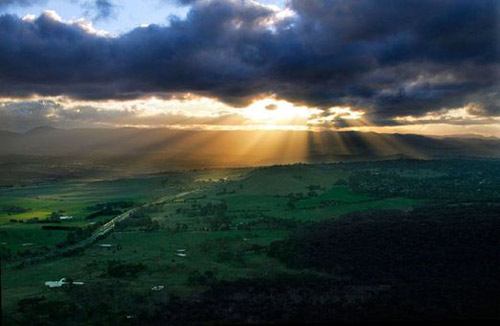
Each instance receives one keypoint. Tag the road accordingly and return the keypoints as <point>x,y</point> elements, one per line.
<point>100,233</point>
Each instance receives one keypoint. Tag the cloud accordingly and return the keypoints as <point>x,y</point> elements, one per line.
<point>388,57</point>
<point>22,115</point>
<point>183,2</point>
<point>21,3</point>
<point>104,8</point>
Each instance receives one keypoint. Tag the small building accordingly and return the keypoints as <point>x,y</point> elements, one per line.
<point>61,282</point>
<point>157,288</point>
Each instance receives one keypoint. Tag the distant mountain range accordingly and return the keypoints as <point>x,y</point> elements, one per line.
<point>192,149</point>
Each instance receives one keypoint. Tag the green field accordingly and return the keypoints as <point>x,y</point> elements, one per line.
<point>72,198</point>
<point>188,234</point>
<point>230,245</point>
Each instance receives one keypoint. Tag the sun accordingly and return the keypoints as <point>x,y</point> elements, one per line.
<point>270,113</point>
<point>278,114</point>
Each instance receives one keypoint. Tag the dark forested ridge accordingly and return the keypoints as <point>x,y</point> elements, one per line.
<point>439,261</point>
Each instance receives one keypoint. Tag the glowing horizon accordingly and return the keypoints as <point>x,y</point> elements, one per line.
<point>190,111</point>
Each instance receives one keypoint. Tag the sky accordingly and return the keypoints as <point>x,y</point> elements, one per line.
<point>416,66</point>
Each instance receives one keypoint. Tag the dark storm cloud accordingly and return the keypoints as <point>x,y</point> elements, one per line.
<point>389,57</point>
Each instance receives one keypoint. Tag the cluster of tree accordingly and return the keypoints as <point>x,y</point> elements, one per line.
<point>179,227</point>
<point>294,197</point>
<point>112,205</point>
<point>102,303</point>
<point>229,256</point>
<point>255,248</point>
<point>251,213</point>
<point>237,256</point>
<point>202,279</point>
<point>111,208</point>
<point>213,214</point>
<point>117,268</point>
<point>108,211</point>
<point>468,187</point>
<point>415,166</point>
<point>269,222</point>
<point>224,191</point>
<point>282,299</point>
<point>12,209</point>
<point>195,199</point>
<point>36,220</point>
<point>459,181</point>
<point>56,214</point>
<point>208,209</point>
<point>219,222</point>
<point>176,179</point>
<point>6,254</point>
<point>75,236</point>
<point>59,227</point>
<point>340,182</point>
<point>138,220</point>
<point>149,209</point>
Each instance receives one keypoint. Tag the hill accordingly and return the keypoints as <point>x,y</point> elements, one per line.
<point>164,148</point>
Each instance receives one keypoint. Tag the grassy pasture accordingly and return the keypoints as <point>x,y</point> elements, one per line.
<point>74,198</point>
<point>157,251</point>
<point>250,195</point>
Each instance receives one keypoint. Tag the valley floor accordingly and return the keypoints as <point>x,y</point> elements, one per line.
<point>194,236</point>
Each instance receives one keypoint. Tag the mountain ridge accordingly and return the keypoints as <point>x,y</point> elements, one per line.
<point>241,147</point>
